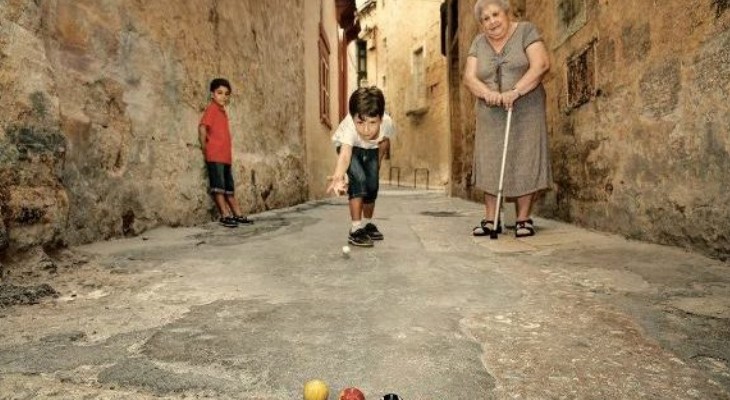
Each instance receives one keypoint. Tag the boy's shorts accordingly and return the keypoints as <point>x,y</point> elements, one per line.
<point>220,178</point>
<point>363,174</point>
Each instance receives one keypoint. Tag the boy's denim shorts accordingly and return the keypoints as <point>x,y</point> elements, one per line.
<point>220,178</point>
<point>363,174</point>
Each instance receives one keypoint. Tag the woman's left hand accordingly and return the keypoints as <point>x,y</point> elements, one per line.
<point>509,98</point>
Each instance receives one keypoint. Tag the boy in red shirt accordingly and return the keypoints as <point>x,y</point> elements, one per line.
<point>215,141</point>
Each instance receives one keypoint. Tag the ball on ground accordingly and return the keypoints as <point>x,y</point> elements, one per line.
<point>316,390</point>
<point>345,250</point>
<point>352,393</point>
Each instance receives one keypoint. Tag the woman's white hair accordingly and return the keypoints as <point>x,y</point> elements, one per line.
<point>480,4</point>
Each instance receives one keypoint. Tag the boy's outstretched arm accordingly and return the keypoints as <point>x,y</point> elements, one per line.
<point>338,180</point>
<point>202,134</point>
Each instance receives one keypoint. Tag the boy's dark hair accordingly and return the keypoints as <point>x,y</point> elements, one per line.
<point>367,101</point>
<point>218,82</point>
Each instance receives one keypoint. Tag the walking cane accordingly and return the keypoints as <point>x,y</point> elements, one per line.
<point>493,234</point>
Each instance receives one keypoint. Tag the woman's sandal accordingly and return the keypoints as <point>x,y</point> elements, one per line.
<point>485,228</point>
<point>524,228</point>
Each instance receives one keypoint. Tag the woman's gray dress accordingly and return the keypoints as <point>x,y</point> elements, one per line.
<point>527,169</point>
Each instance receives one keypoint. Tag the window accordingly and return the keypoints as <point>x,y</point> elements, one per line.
<point>581,76</point>
<point>416,102</point>
<point>362,61</point>
<point>418,67</point>
<point>324,78</point>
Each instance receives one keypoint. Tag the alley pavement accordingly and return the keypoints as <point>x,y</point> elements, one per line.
<point>431,312</point>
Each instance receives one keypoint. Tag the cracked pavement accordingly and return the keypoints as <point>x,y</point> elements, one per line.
<point>429,313</point>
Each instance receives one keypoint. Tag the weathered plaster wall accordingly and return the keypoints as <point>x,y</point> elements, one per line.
<point>648,155</point>
<point>99,106</point>
<point>422,141</point>
<point>321,157</point>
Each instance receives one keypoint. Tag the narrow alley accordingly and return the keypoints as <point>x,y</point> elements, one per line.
<point>429,313</point>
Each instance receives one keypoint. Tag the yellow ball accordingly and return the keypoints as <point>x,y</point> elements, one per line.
<point>316,390</point>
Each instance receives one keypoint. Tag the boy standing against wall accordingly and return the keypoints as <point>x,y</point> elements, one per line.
<point>361,140</point>
<point>215,141</point>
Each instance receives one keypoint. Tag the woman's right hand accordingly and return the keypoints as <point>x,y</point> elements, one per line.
<point>492,98</point>
<point>509,98</point>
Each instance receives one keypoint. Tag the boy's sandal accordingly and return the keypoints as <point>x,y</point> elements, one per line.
<point>485,228</point>
<point>524,228</point>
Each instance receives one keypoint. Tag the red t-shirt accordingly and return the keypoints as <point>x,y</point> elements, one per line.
<point>218,139</point>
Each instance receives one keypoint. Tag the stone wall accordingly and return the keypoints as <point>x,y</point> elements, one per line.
<point>638,116</point>
<point>99,106</point>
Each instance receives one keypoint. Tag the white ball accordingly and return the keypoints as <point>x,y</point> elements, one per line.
<point>345,249</point>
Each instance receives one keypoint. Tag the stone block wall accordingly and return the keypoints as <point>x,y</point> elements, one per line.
<point>99,105</point>
<point>638,116</point>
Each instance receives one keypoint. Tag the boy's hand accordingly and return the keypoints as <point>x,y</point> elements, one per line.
<point>338,185</point>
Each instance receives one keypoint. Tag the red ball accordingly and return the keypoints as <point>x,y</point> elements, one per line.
<point>352,393</point>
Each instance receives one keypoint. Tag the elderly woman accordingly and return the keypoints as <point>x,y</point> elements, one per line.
<point>504,69</point>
